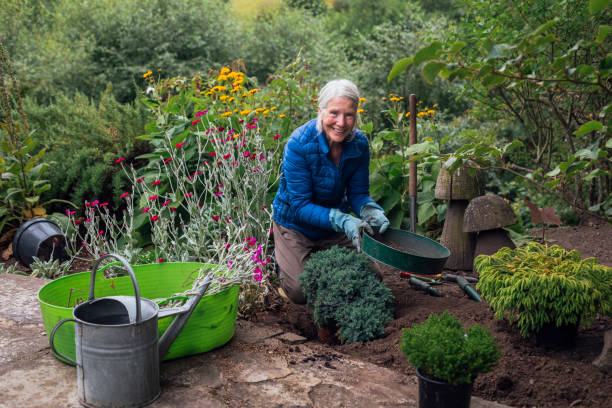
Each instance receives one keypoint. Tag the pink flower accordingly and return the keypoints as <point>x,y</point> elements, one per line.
<point>246,154</point>
<point>201,113</point>
<point>154,218</point>
<point>227,156</point>
<point>140,180</point>
<point>215,218</point>
<point>256,169</point>
<point>258,274</point>
<point>229,264</point>
<point>228,219</point>
<point>153,197</point>
<point>218,193</point>
<point>261,157</point>
<point>219,163</point>
<point>103,204</point>
<point>169,159</point>
<point>187,195</point>
<point>157,182</point>
<point>263,208</point>
<point>212,154</point>
<point>160,260</point>
<point>254,120</point>
<point>220,128</point>
<point>251,126</point>
<point>88,220</point>
<point>119,160</point>
<point>172,208</point>
<point>179,145</point>
<point>94,203</point>
<point>144,210</point>
<point>276,137</point>
<point>77,222</point>
<point>124,195</point>
<point>101,232</point>
<point>68,212</point>
<point>195,122</point>
<point>166,203</point>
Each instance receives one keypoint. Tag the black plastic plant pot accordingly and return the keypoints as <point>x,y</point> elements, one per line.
<point>41,238</point>
<point>554,337</point>
<point>438,394</point>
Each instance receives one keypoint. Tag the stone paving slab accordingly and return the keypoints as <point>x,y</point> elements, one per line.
<point>260,367</point>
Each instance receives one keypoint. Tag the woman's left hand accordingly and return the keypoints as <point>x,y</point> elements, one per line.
<point>374,216</point>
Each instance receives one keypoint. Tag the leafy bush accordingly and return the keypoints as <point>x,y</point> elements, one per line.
<point>84,138</point>
<point>341,288</point>
<point>441,348</point>
<point>537,285</point>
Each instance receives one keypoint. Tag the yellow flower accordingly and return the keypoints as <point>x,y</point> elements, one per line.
<point>236,89</point>
<point>431,112</point>
<point>359,110</point>
<point>235,110</point>
<point>218,88</point>
<point>265,112</point>
<point>394,99</point>
<point>315,99</point>
<point>362,100</point>
<point>224,71</point>
<point>435,105</point>
<point>147,74</point>
<point>238,81</point>
<point>400,115</point>
<point>407,114</point>
<point>421,114</point>
<point>259,110</point>
<point>232,99</point>
<point>253,91</point>
<point>223,97</point>
<point>384,98</point>
<point>273,108</point>
<point>282,115</point>
<point>246,111</point>
<point>429,139</point>
<point>226,114</point>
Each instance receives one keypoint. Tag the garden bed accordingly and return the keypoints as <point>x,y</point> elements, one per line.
<point>525,375</point>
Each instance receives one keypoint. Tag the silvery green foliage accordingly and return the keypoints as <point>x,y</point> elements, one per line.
<point>49,269</point>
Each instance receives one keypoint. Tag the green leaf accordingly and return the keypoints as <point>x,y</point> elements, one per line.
<point>425,212</point>
<point>427,53</point>
<point>367,128</point>
<point>391,200</point>
<point>609,143</point>
<point>603,32</point>
<point>457,46</point>
<point>553,172</point>
<point>493,80</point>
<point>431,69</point>
<point>598,5</point>
<point>399,67</point>
<point>544,27</point>
<point>589,127</point>
<point>499,51</point>
<point>595,173</point>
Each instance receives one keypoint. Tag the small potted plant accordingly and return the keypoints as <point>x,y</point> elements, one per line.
<point>545,290</point>
<point>345,295</point>
<point>447,359</point>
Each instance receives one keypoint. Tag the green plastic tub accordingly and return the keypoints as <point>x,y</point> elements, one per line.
<point>211,325</point>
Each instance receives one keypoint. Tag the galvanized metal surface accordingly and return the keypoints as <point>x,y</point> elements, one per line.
<point>416,254</point>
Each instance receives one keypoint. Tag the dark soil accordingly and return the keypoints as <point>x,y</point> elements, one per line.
<point>526,375</point>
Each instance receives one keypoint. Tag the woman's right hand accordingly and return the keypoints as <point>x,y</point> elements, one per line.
<point>350,225</point>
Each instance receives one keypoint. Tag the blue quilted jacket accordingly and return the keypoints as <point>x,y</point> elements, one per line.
<point>311,184</point>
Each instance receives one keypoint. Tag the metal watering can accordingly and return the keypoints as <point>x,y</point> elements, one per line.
<point>117,348</point>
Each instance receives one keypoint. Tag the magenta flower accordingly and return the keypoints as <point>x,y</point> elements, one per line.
<point>88,220</point>
<point>124,195</point>
<point>119,160</point>
<point>212,154</point>
<point>227,156</point>
<point>68,212</point>
<point>215,217</point>
<point>157,182</point>
<point>187,195</point>
<point>153,197</point>
<point>144,210</point>
<point>140,180</point>
<point>94,203</point>
<point>172,208</point>
<point>218,193</point>
<point>166,203</point>
<point>228,219</point>
<point>195,122</point>
<point>154,218</point>
<point>103,204</point>
<point>179,145</point>
<point>276,137</point>
<point>201,113</point>
<point>169,159</point>
<point>160,260</point>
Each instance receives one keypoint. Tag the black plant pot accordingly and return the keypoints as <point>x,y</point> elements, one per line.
<point>555,337</point>
<point>41,238</point>
<point>438,394</point>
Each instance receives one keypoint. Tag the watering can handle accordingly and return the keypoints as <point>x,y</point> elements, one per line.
<point>52,337</point>
<point>130,272</point>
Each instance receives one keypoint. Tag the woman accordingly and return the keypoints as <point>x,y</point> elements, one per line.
<point>325,175</point>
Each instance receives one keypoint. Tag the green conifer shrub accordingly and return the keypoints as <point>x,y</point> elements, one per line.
<point>536,285</point>
<point>342,289</point>
<point>441,348</point>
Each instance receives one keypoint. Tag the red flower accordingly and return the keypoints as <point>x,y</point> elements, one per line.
<point>160,260</point>
<point>144,210</point>
<point>276,137</point>
<point>169,159</point>
<point>215,217</point>
<point>119,160</point>
<point>103,204</point>
<point>154,218</point>
<point>179,145</point>
<point>172,208</point>
<point>68,212</point>
<point>140,180</point>
<point>195,122</point>
<point>166,203</point>
<point>227,156</point>
<point>212,154</point>
<point>124,195</point>
<point>187,195</point>
<point>153,197</point>
<point>156,182</point>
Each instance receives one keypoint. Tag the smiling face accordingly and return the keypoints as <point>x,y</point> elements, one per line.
<point>338,119</point>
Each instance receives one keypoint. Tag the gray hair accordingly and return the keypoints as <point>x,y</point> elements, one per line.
<point>338,87</point>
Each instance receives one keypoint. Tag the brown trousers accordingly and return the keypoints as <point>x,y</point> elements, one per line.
<point>292,250</point>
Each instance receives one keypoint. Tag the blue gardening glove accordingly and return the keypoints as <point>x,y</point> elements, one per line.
<point>348,224</point>
<point>374,215</point>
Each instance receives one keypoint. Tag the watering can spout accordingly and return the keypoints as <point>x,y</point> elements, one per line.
<point>182,315</point>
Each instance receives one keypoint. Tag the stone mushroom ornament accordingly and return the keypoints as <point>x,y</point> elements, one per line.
<point>487,216</point>
<point>458,188</point>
